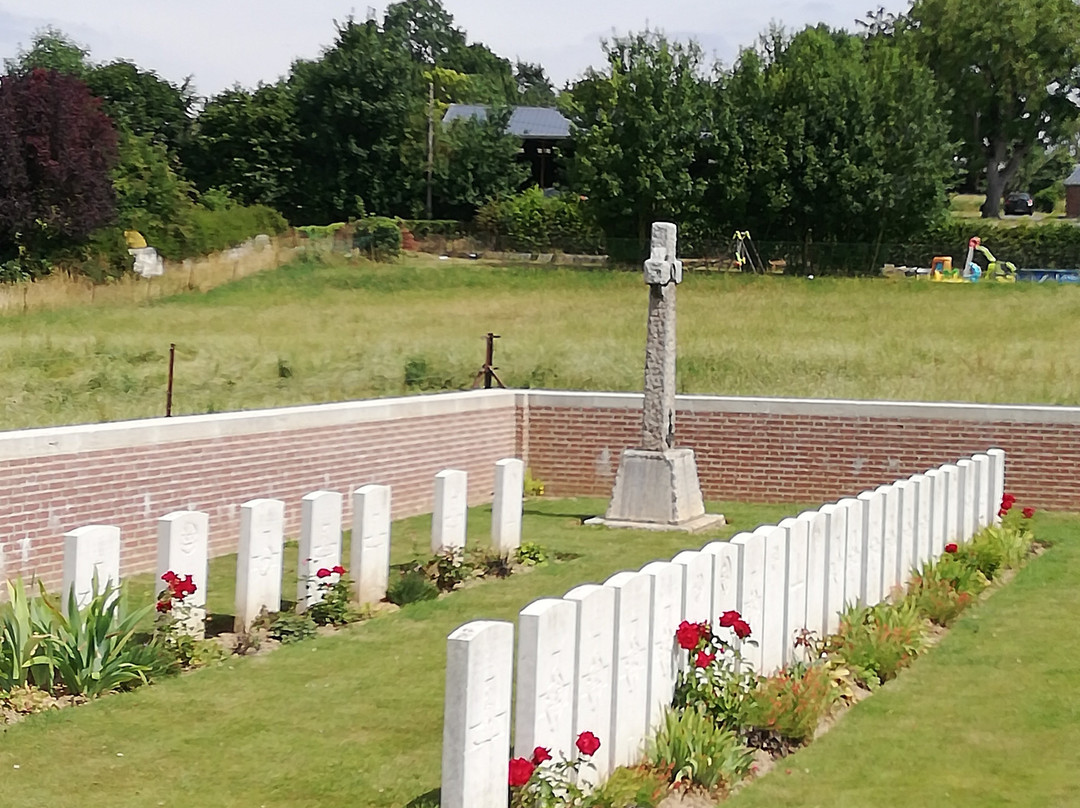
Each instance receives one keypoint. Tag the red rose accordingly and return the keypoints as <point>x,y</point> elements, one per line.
<point>164,606</point>
<point>741,629</point>
<point>1002,511</point>
<point>323,573</point>
<point>727,619</point>
<point>540,754</point>
<point>169,577</point>
<point>1028,512</point>
<point>338,570</point>
<point>951,548</point>
<point>520,771</point>
<point>587,743</point>
<point>688,635</point>
<point>1008,498</point>
<point>704,660</point>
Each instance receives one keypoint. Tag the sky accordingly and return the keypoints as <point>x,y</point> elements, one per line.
<point>223,42</point>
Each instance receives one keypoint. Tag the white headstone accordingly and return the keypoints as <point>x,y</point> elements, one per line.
<point>544,702</point>
<point>90,552</point>
<point>594,667</point>
<point>997,482</point>
<point>817,569</point>
<point>855,510</point>
<point>182,548</point>
<point>258,560</point>
<point>939,507</point>
<point>924,512</point>
<point>370,548</point>
<point>906,534</point>
<point>449,519</point>
<point>664,651</point>
<point>727,580</point>
<point>890,541</point>
<point>697,569</point>
<point>630,702</point>
<point>320,544</point>
<point>772,636</point>
<point>836,564</point>
<point>476,720</point>
<point>506,505</point>
<point>953,498</point>
<point>798,533</point>
<point>967,505</point>
<point>183,537</point>
<point>751,593</point>
<point>984,485</point>
<point>873,546</point>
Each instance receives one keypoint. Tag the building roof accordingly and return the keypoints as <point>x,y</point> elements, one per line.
<point>1074,178</point>
<point>525,122</point>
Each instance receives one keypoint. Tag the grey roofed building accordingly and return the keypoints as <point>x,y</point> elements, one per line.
<point>528,123</point>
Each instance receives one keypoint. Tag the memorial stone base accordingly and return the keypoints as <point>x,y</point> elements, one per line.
<point>658,490</point>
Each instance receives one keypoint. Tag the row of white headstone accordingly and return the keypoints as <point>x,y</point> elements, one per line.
<point>603,658</point>
<point>93,551</point>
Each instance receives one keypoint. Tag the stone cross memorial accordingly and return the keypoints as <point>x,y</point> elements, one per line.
<point>657,484</point>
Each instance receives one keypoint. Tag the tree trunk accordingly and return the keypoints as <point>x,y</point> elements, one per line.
<point>998,174</point>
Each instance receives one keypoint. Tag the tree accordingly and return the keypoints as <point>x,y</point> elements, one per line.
<point>1011,72</point>
<point>57,149</point>
<point>477,161</point>
<point>144,103</point>
<point>841,137</point>
<point>50,49</point>
<point>637,132</point>
<point>425,28</point>
<point>534,88</point>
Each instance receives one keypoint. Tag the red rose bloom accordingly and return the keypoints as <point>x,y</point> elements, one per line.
<point>540,754</point>
<point>587,743</point>
<point>323,573</point>
<point>520,771</point>
<point>1002,511</point>
<point>727,619</point>
<point>164,606</point>
<point>704,660</point>
<point>1028,512</point>
<point>169,577</point>
<point>688,635</point>
<point>741,629</point>
<point>338,570</point>
<point>951,548</point>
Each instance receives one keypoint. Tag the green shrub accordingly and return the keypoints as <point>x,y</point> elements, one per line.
<point>449,570</point>
<point>695,750</point>
<point>334,608</point>
<point>411,587</point>
<point>25,623</point>
<point>876,642</point>
<point>937,599</point>
<point>1009,546</point>
<point>531,554</point>
<point>532,222</point>
<point>291,627</point>
<point>792,703</point>
<point>639,787</point>
<point>378,236</point>
<point>1046,199</point>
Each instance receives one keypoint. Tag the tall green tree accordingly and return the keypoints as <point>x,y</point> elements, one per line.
<point>638,127</point>
<point>534,88</point>
<point>50,49</point>
<point>143,103</point>
<point>842,138</point>
<point>1011,71</point>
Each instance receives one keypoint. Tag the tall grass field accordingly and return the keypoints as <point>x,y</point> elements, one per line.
<point>321,329</point>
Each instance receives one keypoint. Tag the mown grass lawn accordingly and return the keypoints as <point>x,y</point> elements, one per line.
<point>310,332</point>
<point>991,717</point>
<point>352,719</point>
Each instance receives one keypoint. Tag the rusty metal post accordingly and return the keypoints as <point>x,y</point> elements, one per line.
<point>168,394</point>
<point>489,360</point>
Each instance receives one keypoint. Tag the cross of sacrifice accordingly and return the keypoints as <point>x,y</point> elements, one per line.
<point>663,272</point>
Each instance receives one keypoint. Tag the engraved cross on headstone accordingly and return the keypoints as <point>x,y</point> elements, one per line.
<point>663,272</point>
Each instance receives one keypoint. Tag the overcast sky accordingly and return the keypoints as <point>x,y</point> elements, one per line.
<point>222,42</point>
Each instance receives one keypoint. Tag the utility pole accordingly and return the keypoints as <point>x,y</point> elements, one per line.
<point>430,138</point>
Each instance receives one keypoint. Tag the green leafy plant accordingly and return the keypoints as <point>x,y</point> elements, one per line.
<point>540,781</point>
<point>332,608</point>
<point>714,679</point>
<point>91,648</point>
<point>695,750</point>
<point>937,599</point>
<point>24,624</point>
<point>449,570</point>
<point>289,627</point>
<point>637,787</point>
<point>411,586</point>
<point>875,642</point>
<point>531,554</point>
<point>534,487</point>
<point>378,236</point>
<point>490,564</point>
<point>792,703</point>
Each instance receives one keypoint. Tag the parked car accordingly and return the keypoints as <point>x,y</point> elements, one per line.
<point>1019,205</point>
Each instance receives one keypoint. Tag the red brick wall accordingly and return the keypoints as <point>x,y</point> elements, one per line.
<point>574,447</point>
<point>132,486</point>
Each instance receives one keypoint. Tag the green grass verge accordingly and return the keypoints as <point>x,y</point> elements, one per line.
<point>350,719</point>
<point>990,717</point>
<point>311,333</point>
